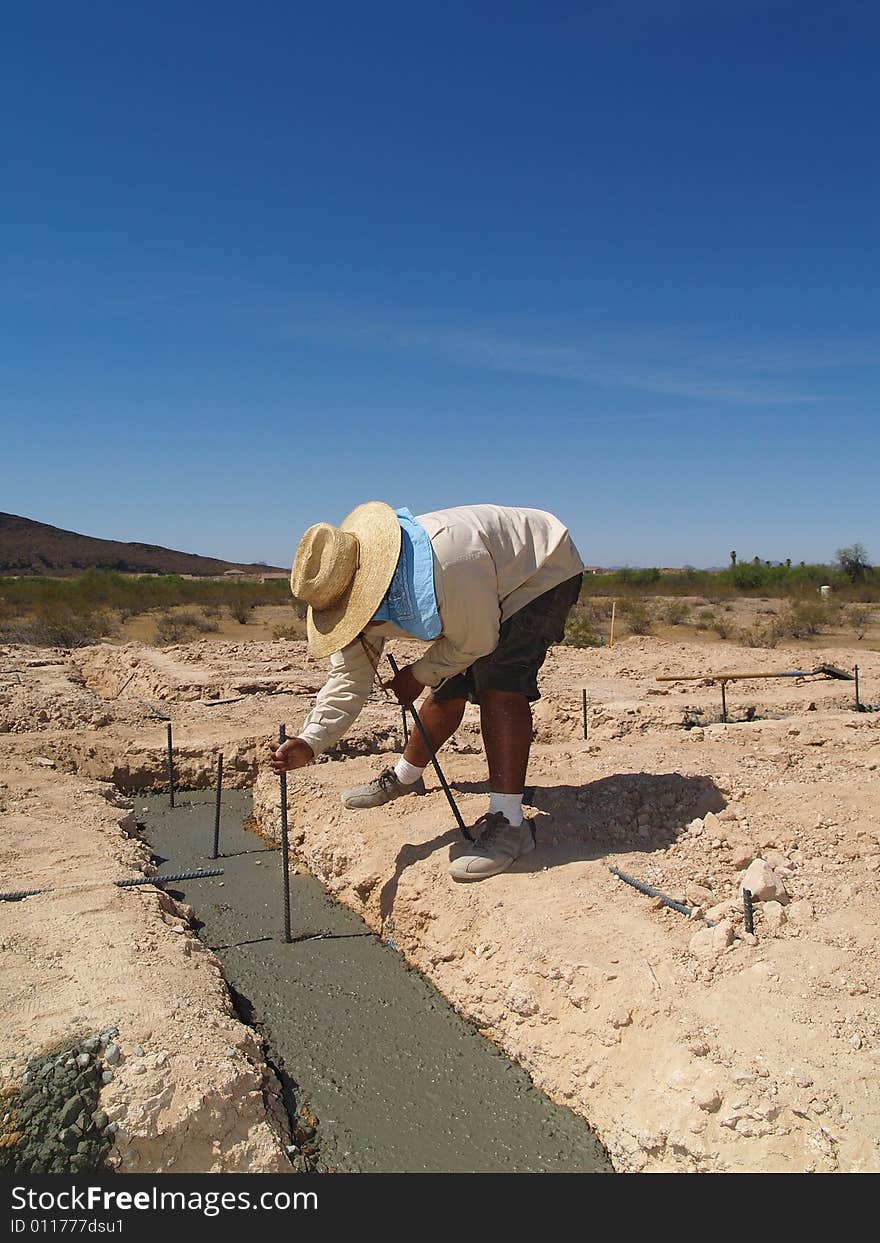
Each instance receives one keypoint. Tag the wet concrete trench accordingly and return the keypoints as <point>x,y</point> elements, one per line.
<point>398,1081</point>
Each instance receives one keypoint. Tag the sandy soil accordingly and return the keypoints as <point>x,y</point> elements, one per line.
<point>686,1043</point>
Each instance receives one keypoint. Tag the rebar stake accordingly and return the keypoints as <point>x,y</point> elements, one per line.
<point>433,754</point>
<point>285,862</point>
<point>584,693</point>
<point>18,894</point>
<point>748,911</point>
<point>170,768</point>
<point>653,893</point>
<point>856,675</point>
<point>217,805</point>
<point>405,727</point>
<point>724,701</point>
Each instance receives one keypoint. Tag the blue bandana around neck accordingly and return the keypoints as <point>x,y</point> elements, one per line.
<point>410,603</point>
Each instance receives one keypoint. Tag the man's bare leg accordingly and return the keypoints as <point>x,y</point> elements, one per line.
<point>441,718</point>
<point>506,724</point>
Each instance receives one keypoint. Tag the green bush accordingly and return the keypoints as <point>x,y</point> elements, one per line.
<point>638,616</point>
<point>676,612</point>
<point>580,631</point>
<point>804,618</point>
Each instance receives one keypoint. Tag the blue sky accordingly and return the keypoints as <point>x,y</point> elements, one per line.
<point>263,261</point>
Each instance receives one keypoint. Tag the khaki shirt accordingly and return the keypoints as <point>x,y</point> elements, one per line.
<point>489,562</point>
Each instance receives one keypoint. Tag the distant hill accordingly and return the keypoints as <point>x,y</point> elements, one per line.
<point>28,547</point>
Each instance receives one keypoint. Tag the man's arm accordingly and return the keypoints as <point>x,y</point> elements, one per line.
<point>337,706</point>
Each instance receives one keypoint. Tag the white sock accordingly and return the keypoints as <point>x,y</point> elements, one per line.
<point>510,805</point>
<point>406,773</point>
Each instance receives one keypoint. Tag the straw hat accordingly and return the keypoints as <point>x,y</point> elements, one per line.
<point>343,572</point>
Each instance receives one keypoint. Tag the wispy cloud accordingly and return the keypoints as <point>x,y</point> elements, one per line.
<point>662,362</point>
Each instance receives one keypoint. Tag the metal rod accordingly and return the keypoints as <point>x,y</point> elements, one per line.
<point>285,862</point>
<point>585,714</point>
<point>120,884</point>
<point>856,675</point>
<point>405,727</point>
<point>735,677</point>
<point>613,610</point>
<point>217,805</point>
<point>724,701</point>
<point>433,754</point>
<point>157,880</point>
<point>653,893</point>
<point>170,767</point>
<point>748,911</point>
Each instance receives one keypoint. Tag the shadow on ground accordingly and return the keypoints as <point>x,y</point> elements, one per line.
<point>623,813</point>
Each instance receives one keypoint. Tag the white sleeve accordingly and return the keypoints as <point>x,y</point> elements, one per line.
<point>340,700</point>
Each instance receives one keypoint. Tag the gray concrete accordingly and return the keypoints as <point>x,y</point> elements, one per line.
<point>399,1082</point>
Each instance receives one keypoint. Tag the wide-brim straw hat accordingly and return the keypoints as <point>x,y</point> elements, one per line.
<point>343,572</point>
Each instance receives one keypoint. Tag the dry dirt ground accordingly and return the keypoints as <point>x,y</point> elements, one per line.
<point>686,1043</point>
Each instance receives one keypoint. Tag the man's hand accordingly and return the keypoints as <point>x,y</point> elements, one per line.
<point>406,687</point>
<point>295,753</point>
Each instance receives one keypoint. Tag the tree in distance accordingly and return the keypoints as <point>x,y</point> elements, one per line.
<point>854,562</point>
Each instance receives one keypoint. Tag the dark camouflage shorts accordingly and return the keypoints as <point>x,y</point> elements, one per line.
<point>521,651</point>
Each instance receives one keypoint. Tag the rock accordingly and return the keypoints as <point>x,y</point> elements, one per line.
<point>763,883</point>
<point>698,895</point>
<point>774,915</point>
<point>621,1017</point>
<point>708,1099</point>
<point>741,855</point>
<point>70,1112</point>
<point>138,1051</point>
<point>107,1076</point>
<point>708,943</point>
<point>83,1060</point>
<point>111,1054</point>
<point>722,909</point>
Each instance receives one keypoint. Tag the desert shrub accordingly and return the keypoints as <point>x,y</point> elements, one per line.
<point>288,632</point>
<point>638,616</point>
<point>725,628</point>
<point>804,618</point>
<point>580,631</point>
<point>204,625</point>
<point>859,618</point>
<point>760,636</point>
<point>599,607</point>
<point>704,619</point>
<point>57,626</point>
<point>171,628</point>
<point>240,607</point>
<point>676,612</point>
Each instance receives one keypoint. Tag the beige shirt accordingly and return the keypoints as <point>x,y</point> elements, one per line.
<point>489,562</point>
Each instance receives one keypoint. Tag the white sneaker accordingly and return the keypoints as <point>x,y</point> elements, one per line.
<point>497,845</point>
<point>381,789</point>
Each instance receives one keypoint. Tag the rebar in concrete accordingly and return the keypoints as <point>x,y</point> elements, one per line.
<point>217,805</point>
<point>170,767</point>
<point>18,894</point>
<point>285,861</point>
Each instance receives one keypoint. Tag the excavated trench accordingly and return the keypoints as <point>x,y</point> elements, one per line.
<point>397,1080</point>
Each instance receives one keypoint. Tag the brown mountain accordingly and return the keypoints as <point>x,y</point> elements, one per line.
<point>28,547</point>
